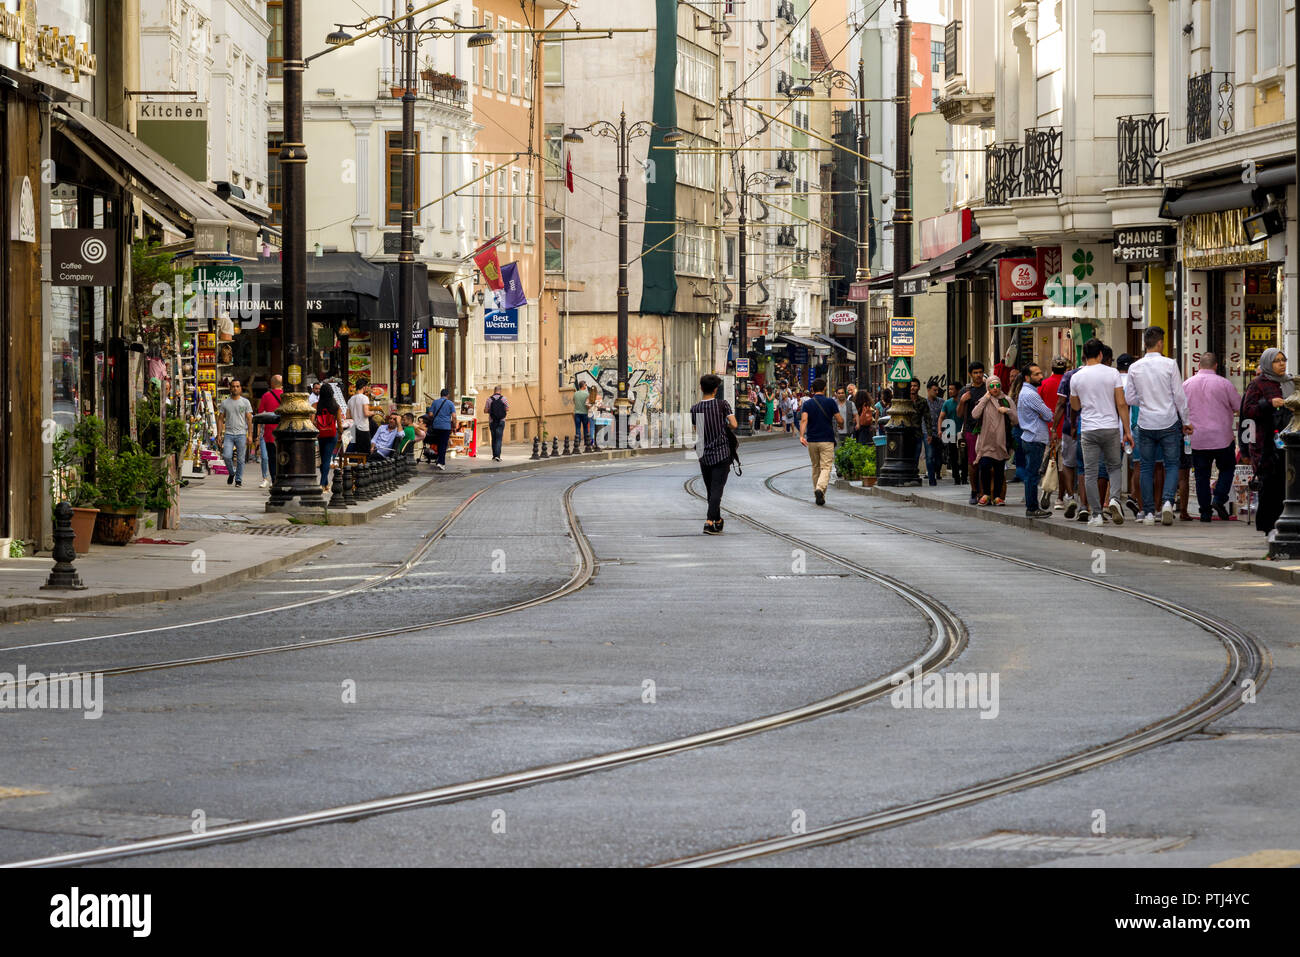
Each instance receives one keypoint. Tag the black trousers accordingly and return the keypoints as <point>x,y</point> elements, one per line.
<point>715,480</point>
<point>1272,496</point>
<point>1225,460</point>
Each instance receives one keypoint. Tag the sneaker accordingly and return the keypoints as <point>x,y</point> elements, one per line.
<point>238,484</point>
<point>1149,518</point>
<point>711,529</point>
<point>1272,536</point>
<point>1071,508</point>
<point>1134,507</point>
<point>1058,506</point>
<point>998,501</point>
<point>819,496</point>
<point>1207,517</point>
<point>1116,513</point>
<point>1038,513</point>
<point>1167,514</point>
<point>439,468</point>
<point>230,478</point>
<point>984,500</point>
<point>1045,503</point>
<point>266,483</point>
<point>1084,515</point>
<point>1095,520</point>
<point>1222,509</point>
<point>972,500</point>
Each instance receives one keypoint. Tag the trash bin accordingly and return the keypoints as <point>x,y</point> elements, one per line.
<point>881,441</point>
<point>603,430</point>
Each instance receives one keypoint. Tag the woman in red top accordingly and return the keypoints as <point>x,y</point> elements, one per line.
<point>329,422</point>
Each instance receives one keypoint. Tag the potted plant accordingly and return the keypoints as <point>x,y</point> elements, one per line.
<point>855,461</point>
<point>869,468</point>
<point>123,481</point>
<point>71,450</point>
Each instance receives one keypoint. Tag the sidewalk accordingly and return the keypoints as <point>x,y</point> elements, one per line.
<point>1235,545</point>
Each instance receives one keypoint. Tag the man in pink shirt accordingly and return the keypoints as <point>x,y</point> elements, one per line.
<point>1212,401</point>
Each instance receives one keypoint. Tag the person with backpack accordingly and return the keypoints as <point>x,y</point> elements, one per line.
<point>818,420</point>
<point>712,419</point>
<point>440,417</point>
<point>329,424</point>
<point>271,400</point>
<point>497,409</point>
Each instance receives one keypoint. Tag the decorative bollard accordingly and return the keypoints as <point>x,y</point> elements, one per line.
<point>365,478</point>
<point>545,453</point>
<point>349,483</point>
<point>535,454</point>
<point>63,577</point>
<point>555,446</point>
<point>566,446</point>
<point>337,497</point>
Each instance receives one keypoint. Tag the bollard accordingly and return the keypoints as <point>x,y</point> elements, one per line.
<point>349,483</point>
<point>63,577</point>
<point>545,454</point>
<point>337,497</point>
<point>534,456</point>
<point>566,446</point>
<point>365,478</point>
<point>555,446</point>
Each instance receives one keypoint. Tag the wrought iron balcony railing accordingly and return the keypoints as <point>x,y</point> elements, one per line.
<point>1003,166</point>
<point>1042,175</point>
<point>1209,106</point>
<point>440,87</point>
<point>1140,140</point>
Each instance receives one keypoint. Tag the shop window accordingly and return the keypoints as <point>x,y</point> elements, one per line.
<point>274,176</point>
<point>394,153</point>
<point>275,39</point>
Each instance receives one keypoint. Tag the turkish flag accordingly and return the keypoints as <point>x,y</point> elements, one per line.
<point>568,172</point>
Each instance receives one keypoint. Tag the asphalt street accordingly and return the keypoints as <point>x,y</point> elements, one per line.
<point>676,633</point>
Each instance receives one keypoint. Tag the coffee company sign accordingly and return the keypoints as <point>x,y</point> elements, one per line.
<point>48,50</point>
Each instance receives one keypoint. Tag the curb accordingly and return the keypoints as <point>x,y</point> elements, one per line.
<point>359,515</point>
<point>106,602</point>
<point>606,456</point>
<point>1074,532</point>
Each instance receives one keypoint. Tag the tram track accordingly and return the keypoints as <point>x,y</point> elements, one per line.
<point>948,638</point>
<point>1248,660</point>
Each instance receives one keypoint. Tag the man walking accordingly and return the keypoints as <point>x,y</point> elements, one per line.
<point>1098,396</point>
<point>930,433</point>
<point>440,421</point>
<point>711,418</point>
<point>497,409</point>
<point>1156,387</point>
<point>848,416</point>
<point>1212,401</point>
<point>234,425</point>
<point>271,400</point>
<point>970,425</point>
<point>818,421</point>
<point>950,432</point>
<point>1035,435</point>
<point>359,411</point>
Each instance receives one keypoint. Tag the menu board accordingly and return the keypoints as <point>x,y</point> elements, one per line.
<point>359,362</point>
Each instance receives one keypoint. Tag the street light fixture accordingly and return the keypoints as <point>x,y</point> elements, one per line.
<point>744,425</point>
<point>622,134</point>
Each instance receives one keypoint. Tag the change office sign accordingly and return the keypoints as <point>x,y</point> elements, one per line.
<point>84,257</point>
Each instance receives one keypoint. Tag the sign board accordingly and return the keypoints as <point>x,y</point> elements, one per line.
<point>900,370</point>
<point>842,317</point>
<point>941,233</point>
<point>902,336</point>
<point>1019,279</point>
<point>209,280</point>
<point>23,216</point>
<point>84,257</point>
<point>419,342</point>
<point>501,325</point>
<point>799,355</point>
<point>1147,244</point>
<point>918,286</point>
<point>742,368</point>
<point>859,292</point>
<point>179,132</point>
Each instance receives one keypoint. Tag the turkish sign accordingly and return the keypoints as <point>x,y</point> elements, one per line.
<point>1019,279</point>
<point>842,317</point>
<point>178,131</point>
<point>1148,244</point>
<point>84,257</point>
<point>902,336</point>
<point>501,325</point>
<point>900,371</point>
<point>209,280</point>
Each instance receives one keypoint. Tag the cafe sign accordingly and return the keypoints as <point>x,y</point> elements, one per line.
<point>45,44</point>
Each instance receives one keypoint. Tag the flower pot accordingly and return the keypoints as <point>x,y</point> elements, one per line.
<point>115,528</point>
<point>397,91</point>
<point>83,526</point>
<point>869,481</point>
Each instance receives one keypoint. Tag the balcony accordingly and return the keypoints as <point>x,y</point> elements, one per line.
<point>1209,106</point>
<point>1042,176</point>
<point>1139,142</point>
<point>1003,167</point>
<point>430,85</point>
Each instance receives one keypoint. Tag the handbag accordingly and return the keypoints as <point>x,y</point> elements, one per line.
<point>1051,480</point>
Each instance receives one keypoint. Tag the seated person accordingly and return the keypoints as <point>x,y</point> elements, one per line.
<point>413,429</point>
<point>386,440</point>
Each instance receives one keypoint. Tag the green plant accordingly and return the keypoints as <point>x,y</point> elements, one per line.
<point>854,460</point>
<point>73,453</point>
<point>151,316</point>
<point>125,479</point>
<point>17,548</point>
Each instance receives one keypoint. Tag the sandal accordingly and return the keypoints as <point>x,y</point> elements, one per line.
<point>998,501</point>
<point>984,500</point>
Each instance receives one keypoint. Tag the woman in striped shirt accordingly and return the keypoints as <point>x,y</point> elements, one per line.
<point>711,417</point>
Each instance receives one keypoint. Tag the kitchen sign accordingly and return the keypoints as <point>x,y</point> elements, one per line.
<point>1148,244</point>
<point>84,257</point>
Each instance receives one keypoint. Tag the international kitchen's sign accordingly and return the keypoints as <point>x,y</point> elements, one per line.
<point>1146,244</point>
<point>51,45</point>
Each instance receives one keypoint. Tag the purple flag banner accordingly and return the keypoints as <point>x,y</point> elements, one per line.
<point>512,295</point>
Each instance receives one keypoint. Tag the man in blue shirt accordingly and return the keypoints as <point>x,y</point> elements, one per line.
<point>440,418</point>
<point>1035,419</point>
<point>388,439</point>
<point>818,420</point>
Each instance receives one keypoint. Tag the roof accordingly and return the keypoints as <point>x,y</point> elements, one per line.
<point>818,59</point>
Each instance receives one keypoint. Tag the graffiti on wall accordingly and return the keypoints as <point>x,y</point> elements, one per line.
<point>598,365</point>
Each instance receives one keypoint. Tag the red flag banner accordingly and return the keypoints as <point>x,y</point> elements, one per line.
<point>485,258</point>
<point>568,172</point>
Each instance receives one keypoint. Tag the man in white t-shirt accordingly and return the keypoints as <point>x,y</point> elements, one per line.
<point>1097,394</point>
<point>359,411</point>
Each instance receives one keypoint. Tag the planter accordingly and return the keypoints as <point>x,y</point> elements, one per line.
<point>115,528</point>
<point>83,526</point>
<point>397,92</point>
<point>869,481</point>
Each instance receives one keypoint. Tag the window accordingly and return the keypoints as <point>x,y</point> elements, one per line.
<point>1221,36</point>
<point>485,188</point>
<point>473,51</point>
<point>554,226</point>
<point>448,203</point>
<point>274,176</point>
<point>516,219</point>
<point>528,66</point>
<point>552,64</point>
<point>936,56</point>
<point>1269,35</point>
<point>500,47</point>
<point>529,202</point>
<point>697,71</point>
<point>554,157</point>
<point>501,202</point>
<point>695,250</point>
<point>394,153</point>
<point>275,39</point>
<point>730,247</point>
<point>515,39</point>
<point>486,53</point>
<point>474,202</point>
<point>696,169</point>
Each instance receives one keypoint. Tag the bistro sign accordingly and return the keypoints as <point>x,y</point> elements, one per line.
<point>1143,245</point>
<point>44,43</point>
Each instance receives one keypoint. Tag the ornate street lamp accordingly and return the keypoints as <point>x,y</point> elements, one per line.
<point>743,418</point>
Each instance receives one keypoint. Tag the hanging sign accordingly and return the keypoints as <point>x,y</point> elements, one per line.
<point>842,317</point>
<point>23,216</point>
<point>900,371</point>
<point>501,325</point>
<point>1019,279</point>
<point>742,368</point>
<point>84,257</point>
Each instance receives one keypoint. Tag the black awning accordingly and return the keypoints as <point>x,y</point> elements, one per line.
<point>389,310</point>
<point>972,263</point>
<point>442,304</point>
<point>943,259</point>
<point>1179,202</point>
<point>338,284</point>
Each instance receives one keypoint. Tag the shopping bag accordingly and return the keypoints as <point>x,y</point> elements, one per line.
<point>1050,481</point>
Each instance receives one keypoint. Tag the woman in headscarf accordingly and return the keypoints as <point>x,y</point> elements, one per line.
<point>993,412</point>
<point>1263,405</point>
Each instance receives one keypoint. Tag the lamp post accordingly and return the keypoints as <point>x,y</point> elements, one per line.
<point>1286,542</point>
<point>743,420</point>
<point>903,432</point>
<point>405,30</point>
<point>622,134</point>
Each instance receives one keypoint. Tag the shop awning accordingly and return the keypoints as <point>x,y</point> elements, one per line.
<point>390,298</point>
<point>219,229</point>
<point>915,280</point>
<point>820,347</point>
<point>1040,321</point>
<point>1178,202</point>
<point>442,303</point>
<point>973,263</point>
<point>338,284</point>
<point>838,345</point>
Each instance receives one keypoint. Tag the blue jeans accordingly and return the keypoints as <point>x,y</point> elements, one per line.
<point>1168,445</point>
<point>326,456</point>
<point>498,429</point>
<point>933,460</point>
<point>1019,453</point>
<point>1033,462</point>
<point>581,428</point>
<point>233,449</point>
<point>267,469</point>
